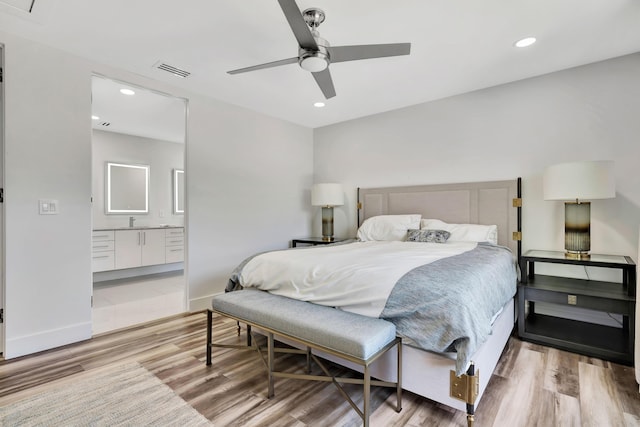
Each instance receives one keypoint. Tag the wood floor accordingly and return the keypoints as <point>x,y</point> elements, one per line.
<point>532,385</point>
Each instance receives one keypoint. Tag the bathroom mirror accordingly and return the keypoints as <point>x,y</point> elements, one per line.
<point>178,191</point>
<point>127,188</point>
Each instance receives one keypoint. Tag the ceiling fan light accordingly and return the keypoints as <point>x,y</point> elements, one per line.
<point>314,62</point>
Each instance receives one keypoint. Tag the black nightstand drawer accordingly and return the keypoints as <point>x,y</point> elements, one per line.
<point>578,293</point>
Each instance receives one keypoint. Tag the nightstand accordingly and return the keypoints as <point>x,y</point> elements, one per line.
<point>316,241</point>
<point>605,342</point>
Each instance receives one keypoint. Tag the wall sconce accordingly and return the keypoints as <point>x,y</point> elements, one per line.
<point>578,181</point>
<point>327,196</point>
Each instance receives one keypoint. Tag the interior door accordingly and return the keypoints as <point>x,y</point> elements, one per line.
<point>2,274</point>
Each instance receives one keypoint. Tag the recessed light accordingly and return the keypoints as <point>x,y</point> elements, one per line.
<point>527,41</point>
<point>318,104</point>
<point>127,92</point>
<point>95,118</point>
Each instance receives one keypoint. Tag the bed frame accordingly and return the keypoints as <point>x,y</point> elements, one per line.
<point>498,202</point>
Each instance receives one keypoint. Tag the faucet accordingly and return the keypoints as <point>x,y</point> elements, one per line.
<point>131,220</point>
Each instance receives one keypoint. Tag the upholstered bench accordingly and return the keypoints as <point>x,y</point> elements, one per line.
<point>352,337</point>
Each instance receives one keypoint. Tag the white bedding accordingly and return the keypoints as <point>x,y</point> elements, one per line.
<point>326,274</point>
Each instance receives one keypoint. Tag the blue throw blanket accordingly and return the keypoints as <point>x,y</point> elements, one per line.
<point>448,305</point>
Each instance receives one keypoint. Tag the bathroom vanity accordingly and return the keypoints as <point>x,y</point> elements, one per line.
<point>131,247</point>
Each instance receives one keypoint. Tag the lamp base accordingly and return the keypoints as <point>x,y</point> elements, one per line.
<point>577,229</point>
<point>327,223</point>
<point>577,255</point>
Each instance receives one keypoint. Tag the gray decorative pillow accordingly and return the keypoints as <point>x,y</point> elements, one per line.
<point>432,236</point>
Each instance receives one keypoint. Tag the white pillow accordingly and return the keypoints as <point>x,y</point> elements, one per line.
<point>463,232</point>
<point>388,227</point>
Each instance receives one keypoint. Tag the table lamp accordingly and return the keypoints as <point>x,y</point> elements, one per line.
<point>327,195</point>
<point>579,181</point>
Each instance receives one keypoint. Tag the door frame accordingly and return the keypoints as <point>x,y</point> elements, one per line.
<point>186,305</point>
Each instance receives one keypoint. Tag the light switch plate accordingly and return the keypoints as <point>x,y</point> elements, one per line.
<point>48,207</point>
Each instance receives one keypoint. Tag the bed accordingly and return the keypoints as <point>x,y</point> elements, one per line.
<point>443,363</point>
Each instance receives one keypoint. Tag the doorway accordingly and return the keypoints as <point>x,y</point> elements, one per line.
<point>138,151</point>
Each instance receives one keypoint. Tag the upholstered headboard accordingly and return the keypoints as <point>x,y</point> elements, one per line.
<point>493,202</point>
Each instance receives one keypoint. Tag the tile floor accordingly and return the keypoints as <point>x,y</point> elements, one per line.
<point>125,302</point>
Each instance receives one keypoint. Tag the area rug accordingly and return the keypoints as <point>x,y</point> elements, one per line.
<point>127,395</point>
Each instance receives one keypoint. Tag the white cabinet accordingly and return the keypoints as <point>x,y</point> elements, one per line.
<point>138,248</point>
<point>102,250</point>
<point>153,247</point>
<point>174,245</point>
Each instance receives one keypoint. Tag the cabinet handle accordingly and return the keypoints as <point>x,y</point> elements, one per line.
<point>175,250</point>
<point>144,238</point>
<point>101,246</point>
<point>103,256</point>
<point>139,238</point>
<point>99,236</point>
<point>175,241</point>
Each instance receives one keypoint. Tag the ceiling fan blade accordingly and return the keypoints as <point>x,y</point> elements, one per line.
<point>367,51</point>
<point>293,60</point>
<point>323,78</point>
<point>297,24</point>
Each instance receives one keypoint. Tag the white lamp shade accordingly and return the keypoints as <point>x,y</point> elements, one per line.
<point>579,180</point>
<point>327,195</point>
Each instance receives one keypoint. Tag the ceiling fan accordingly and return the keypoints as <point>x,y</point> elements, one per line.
<point>315,54</point>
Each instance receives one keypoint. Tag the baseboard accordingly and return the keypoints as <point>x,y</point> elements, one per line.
<point>45,340</point>
<point>202,303</point>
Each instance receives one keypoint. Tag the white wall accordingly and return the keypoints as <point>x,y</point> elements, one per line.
<point>248,179</point>
<point>161,156</point>
<point>517,129</point>
<point>47,155</point>
<point>247,182</point>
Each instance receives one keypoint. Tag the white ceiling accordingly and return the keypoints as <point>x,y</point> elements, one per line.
<point>146,113</point>
<point>457,46</point>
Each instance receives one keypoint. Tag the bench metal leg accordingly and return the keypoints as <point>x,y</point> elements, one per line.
<point>209,339</point>
<point>399,379</point>
<point>367,396</point>
<point>270,390</point>
<point>239,329</point>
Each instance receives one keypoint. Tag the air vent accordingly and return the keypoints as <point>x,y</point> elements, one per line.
<point>105,124</point>
<point>171,69</point>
